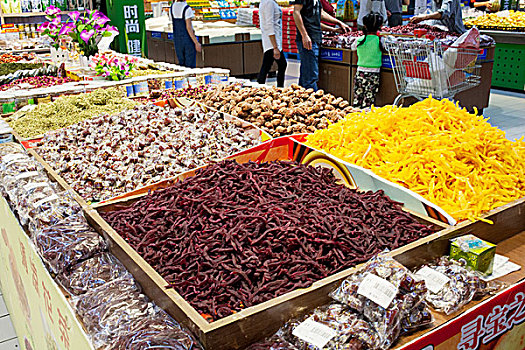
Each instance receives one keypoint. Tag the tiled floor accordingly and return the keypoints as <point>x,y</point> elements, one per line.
<point>8,340</point>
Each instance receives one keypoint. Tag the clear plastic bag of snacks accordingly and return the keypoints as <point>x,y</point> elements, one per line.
<point>17,186</point>
<point>110,310</point>
<point>272,343</point>
<point>330,327</point>
<point>33,195</point>
<point>157,332</point>
<point>10,148</point>
<point>53,210</point>
<point>456,285</point>
<point>384,292</point>
<point>65,244</point>
<point>92,273</point>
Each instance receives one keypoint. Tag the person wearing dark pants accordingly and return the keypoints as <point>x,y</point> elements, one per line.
<point>394,9</point>
<point>307,15</point>
<point>268,58</point>
<point>186,43</point>
<point>309,69</point>
<point>271,19</point>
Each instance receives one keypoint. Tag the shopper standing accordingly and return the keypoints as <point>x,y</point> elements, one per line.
<point>394,9</point>
<point>447,12</point>
<point>368,6</point>
<point>186,43</point>
<point>271,19</point>
<point>307,15</point>
<point>369,57</point>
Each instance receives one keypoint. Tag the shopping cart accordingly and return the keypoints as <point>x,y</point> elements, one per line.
<point>424,67</point>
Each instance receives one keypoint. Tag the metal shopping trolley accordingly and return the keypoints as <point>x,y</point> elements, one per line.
<point>424,67</point>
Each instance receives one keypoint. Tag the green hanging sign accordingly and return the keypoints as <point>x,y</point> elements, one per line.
<point>128,17</point>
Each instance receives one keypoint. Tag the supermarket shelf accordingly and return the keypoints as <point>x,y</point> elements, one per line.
<point>41,50</point>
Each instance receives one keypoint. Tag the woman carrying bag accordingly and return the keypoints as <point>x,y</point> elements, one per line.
<point>271,19</point>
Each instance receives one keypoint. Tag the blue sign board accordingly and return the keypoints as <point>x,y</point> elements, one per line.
<point>170,36</point>
<point>156,35</point>
<point>332,55</point>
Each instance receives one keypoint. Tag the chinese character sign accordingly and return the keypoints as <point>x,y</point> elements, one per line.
<point>128,17</point>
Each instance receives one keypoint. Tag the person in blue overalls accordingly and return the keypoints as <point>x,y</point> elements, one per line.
<point>186,43</point>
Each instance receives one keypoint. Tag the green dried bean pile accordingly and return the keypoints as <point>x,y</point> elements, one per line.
<point>7,68</point>
<point>69,110</point>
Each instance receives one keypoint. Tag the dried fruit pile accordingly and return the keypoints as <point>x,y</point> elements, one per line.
<point>454,159</point>
<point>236,235</point>
<point>35,82</point>
<point>279,111</point>
<point>514,20</point>
<point>110,155</point>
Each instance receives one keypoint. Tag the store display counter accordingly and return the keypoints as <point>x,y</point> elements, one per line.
<point>509,58</point>
<point>56,321</point>
<point>242,57</point>
<point>337,69</point>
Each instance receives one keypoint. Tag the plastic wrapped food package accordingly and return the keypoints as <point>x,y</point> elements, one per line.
<point>15,163</point>
<point>112,309</point>
<point>35,195</point>
<point>66,243</point>
<point>10,147</point>
<point>52,210</point>
<point>19,185</point>
<point>333,326</point>
<point>385,293</point>
<point>272,343</point>
<point>458,285</point>
<point>158,332</point>
<point>92,273</point>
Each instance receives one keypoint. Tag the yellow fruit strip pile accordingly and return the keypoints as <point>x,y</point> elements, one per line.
<point>454,159</point>
<point>514,19</point>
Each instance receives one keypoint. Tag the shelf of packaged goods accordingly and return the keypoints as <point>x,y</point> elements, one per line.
<point>32,14</point>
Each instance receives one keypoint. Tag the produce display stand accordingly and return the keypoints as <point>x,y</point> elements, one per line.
<point>42,314</point>
<point>254,323</point>
<point>242,56</point>
<point>509,58</point>
<point>248,325</point>
<point>38,308</point>
<point>337,69</point>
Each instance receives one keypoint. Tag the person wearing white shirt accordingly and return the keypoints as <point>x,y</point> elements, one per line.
<point>368,6</point>
<point>271,19</point>
<point>186,43</point>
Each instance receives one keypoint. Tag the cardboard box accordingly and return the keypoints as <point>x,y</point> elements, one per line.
<point>477,253</point>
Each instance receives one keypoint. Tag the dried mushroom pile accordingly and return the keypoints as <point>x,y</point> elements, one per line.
<point>110,155</point>
<point>279,111</point>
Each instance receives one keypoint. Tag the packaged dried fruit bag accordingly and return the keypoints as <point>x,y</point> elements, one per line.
<point>387,295</point>
<point>452,285</point>
<point>329,327</point>
<point>67,243</point>
<point>92,273</point>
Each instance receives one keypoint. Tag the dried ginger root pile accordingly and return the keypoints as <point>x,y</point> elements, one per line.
<point>454,159</point>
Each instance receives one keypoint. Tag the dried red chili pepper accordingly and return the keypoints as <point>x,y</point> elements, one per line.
<point>261,230</point>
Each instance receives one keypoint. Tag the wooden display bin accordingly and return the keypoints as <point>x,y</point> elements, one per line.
<point>223,55</point>
<point>251,324</point>
<point>238,330</point>
<point>254,323</point>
